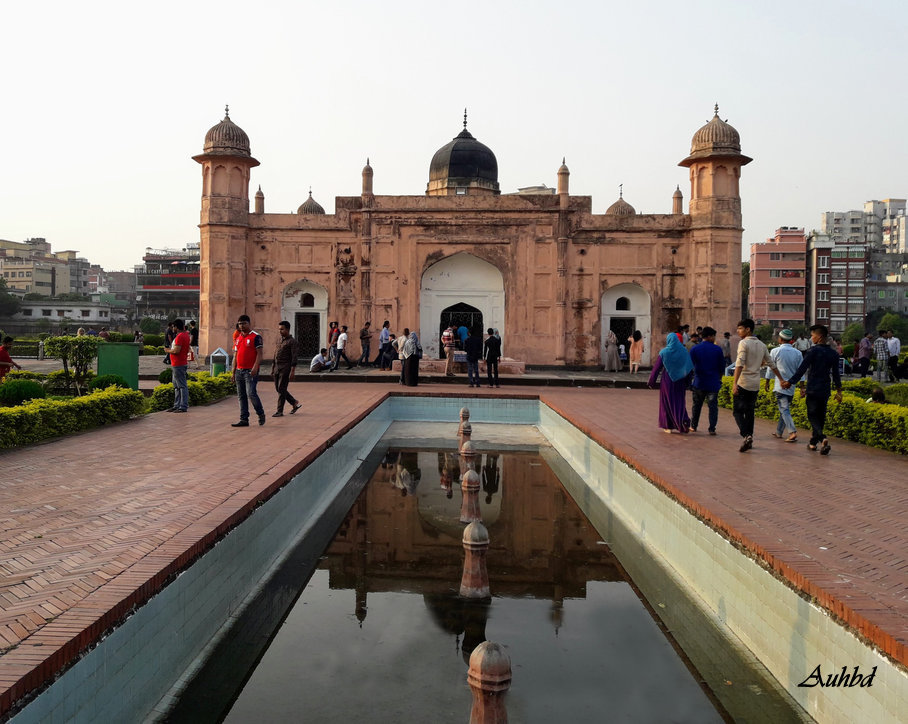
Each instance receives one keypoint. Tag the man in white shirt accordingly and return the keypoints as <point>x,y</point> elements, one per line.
<point>787,360</point>
<point>320,361</point>
<point>752,356</point>
<point>895,348</point>
<point>342,350</point>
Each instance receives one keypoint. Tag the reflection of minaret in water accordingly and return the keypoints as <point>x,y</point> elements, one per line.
<point>361,557</point>
<point>474,583</point>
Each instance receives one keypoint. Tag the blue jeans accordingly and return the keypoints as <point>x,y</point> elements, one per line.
<point>245,391</point>
<point>180,389</point>
<point>786,424</point>
<point>473,372</point>
<point>712,403</point>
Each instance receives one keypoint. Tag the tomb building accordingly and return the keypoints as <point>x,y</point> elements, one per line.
<point>543,269</point>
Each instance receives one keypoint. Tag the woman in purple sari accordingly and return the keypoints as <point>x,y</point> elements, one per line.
<point>676,368</point>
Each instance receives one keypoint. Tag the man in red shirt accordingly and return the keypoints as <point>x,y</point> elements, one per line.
<point>247,358</point>
<point>179,354</point>
<point>6,361</point>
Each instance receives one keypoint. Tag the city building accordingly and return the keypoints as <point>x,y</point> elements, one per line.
<point>837,274</point>
<point>552,276</point>
<point>57,316</point>
<point>778,279</point>
<point>167,284</point>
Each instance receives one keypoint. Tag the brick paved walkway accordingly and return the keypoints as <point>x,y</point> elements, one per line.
<point>96,523</point>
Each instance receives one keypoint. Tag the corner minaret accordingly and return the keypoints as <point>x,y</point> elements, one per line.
<point>259,201</point>
<point>224,223</point>
<point>367,184</point>
<point>715,163</point>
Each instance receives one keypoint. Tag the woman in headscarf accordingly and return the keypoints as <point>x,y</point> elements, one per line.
<point>612,360</point>
<point>411,354</point>
<point>635,353</point>
<point>676,368</point>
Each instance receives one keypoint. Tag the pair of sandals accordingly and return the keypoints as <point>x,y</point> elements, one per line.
<point>791,438</point>
<point>824,447</point>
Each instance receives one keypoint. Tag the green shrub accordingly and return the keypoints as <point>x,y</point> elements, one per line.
<point>880,426</point>
<point>166,376</point>
<point>102,382</point>
<point>25,348</point>
<point>848,351</point>
<point>43,419</point>
<point>25,375</point>
<point>77,353</point>
<point>58,381</point>
<point>204,388</point>
<point>863,386</point>
<point>154,340</point>
<point>897,394</point>
<point>15,392</point>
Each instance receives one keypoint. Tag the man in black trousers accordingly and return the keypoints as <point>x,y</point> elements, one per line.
<point>283,369</point>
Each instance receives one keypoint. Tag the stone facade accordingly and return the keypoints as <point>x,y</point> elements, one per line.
<point>548,273</point>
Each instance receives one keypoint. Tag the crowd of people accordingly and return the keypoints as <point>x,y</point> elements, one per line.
<point>696,362</point>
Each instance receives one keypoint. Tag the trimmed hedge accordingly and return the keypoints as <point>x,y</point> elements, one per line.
<point>204,388</point>
<point>104,381</point>
<point>880,426</point>
<point>44,419</point>
<point>15,392</point>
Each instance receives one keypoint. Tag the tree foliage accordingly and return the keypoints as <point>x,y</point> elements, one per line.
<point>896,322</point>
<point>9,303</point>
<point>149,325</point>
<point>77,354</point>
<point>853,333</point>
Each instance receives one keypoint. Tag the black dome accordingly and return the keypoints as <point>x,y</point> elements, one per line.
<point>463,163</point>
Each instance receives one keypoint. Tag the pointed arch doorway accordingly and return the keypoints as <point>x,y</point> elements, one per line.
<point>305,306</point>
<point>460,279</point>
<point>460,314</point>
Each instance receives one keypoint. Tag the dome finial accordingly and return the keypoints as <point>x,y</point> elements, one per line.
<point>226,112</point>
<point>620,191</point>
<point>310,192</point>
<point>716,109</point>
<point>367,160</point>
<point>563,160</point>
<point>465,119</point>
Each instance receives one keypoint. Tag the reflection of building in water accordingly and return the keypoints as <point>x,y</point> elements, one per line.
<point>541,544</point>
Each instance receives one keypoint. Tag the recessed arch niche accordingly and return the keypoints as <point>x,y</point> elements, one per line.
<point>624,308</point>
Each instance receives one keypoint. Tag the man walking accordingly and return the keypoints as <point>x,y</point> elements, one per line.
<point>752,356</point>
<point>341,350</point>
<point>179,355</point>
<point>881,352</point>
<point>194,342</point>
<point>709,366</point>
<point>283,369</point>
<point>787,360</point>
<point>247,359</point>
<point>365,340</point>
<point>447,342</point>
<point>819,362</point>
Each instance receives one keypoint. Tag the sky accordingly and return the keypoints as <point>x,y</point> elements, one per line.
<point>105,103</point>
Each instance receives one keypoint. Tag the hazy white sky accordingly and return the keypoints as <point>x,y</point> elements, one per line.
<point>106,102</point>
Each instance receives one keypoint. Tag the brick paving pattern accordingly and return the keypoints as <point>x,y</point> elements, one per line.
<point>94,524</point>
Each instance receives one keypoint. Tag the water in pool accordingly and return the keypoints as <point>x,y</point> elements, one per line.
<point>381,633</point>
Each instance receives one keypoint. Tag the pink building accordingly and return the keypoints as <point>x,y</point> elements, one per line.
<point>778,276</point>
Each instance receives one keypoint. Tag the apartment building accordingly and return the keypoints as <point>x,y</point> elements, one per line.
<point>837,278</point>
<point>778,278</point>
<point>167,283</point>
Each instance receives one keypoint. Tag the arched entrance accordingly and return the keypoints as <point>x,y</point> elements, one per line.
<point>626,307</point>
<point>457,315</point>
<point>459,284</point>
<point>305,306</point>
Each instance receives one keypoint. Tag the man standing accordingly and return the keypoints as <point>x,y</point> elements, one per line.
<point>819,362</point>
<point>384,341</point>
<point>333,334</point>
<point>398,346</point>
<point>801,345</point>
<point>462,334</point>
<point>247,359</point>
<point>447,342</point>
<point>365,339</point>
<point>194,342</point>
<point>6,360</point>
<point>283,369</point>
<point>491,352</point>
<point>881,352</point>
<point>341,350</point>
<point>473,348</point>
<point>179,354</point>
<point>726,348</point>
<point>752,356</point>
<point>895,349</point>
<point>709,366</point>
<point>787,360</point>
<point>865,348</point>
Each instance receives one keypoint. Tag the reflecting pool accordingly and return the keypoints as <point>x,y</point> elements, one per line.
<point>382,634</point>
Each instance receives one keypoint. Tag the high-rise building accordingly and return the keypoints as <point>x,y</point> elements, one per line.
<point>836,281</point>
<point>778,278</point>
